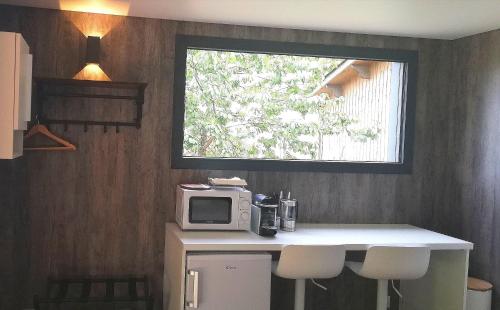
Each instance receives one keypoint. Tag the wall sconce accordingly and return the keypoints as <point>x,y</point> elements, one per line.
<point>93,50</point>
<point>92,70</point>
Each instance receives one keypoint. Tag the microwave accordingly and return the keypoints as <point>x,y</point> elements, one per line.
<point>217,208</point>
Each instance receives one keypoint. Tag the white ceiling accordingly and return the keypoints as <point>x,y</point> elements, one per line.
<point>440,19</point>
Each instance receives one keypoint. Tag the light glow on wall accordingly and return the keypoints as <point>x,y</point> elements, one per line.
<point>92,72</point>
<point>112,7</point>
<point>95,25</point>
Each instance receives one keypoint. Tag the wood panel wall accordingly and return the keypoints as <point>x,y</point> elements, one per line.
<point>14,234</point>
<point>472,201</point>
<point>102,209</point>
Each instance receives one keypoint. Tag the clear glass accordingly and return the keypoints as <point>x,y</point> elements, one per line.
<point>266,106</point>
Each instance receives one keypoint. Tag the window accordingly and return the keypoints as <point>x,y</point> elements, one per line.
<point>262,105</point>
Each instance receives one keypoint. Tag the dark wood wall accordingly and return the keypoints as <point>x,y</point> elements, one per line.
<point>102,209</point>
<point>14,234</point>
<point>472,206</point>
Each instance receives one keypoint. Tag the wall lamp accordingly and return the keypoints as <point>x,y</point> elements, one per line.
<point>92,70</point>
<point>93,50</point>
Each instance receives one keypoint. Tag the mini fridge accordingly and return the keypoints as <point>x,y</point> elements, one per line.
<point>222,281</point>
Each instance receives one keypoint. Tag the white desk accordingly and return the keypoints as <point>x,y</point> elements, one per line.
<point>442,288</point>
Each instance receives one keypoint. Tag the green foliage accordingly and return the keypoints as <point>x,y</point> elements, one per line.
<point>243,105</point>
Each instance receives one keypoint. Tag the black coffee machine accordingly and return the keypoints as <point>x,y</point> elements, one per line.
<point>265,221</point>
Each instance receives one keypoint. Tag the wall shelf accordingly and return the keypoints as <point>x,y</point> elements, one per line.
<point>49,88</point>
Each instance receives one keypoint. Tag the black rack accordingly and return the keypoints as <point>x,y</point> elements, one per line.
<point>57,291</point>
<point>45,89</point>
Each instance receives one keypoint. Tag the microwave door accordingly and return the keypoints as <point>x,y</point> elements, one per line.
<point>210,210</point>
<point>228,282</point>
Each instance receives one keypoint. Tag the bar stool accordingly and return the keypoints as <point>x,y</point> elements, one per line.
<point>385,263</point>
<point>301,262</point>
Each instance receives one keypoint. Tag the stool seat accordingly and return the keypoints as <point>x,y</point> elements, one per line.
<point>310,262</point>
<point>301,262</point>
<point>385,263</point>
<point>393,262</point>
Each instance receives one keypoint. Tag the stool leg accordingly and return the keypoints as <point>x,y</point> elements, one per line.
<point>382,292</point>
<point>300,294</point>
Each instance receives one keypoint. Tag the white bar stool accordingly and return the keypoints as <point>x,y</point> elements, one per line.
<point>301,262</point>
<point>385,263</point>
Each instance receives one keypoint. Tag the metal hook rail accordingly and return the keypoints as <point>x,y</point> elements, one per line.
<point>45,91</point>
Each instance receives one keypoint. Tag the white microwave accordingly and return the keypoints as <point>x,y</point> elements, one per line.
<point>213,209</point>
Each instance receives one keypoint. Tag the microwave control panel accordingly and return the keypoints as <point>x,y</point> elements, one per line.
<point>244,208</point>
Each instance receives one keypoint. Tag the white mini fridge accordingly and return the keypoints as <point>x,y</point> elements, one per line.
<point>221,281</point>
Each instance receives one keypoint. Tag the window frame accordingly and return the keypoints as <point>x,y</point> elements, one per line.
<point>409,57</point>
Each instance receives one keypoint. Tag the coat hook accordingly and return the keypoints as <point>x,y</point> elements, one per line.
<point>105,128</point>
<point>117,129</point>
<point>85,127</point>
<point>65,126</point>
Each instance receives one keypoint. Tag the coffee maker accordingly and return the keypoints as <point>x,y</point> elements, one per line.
<point>264,219</point>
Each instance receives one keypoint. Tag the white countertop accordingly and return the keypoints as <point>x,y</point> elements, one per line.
<point>355,237</point>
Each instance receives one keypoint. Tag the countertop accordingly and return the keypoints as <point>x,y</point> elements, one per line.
<point>356,237</point>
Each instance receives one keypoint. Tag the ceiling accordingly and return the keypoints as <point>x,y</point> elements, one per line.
<point>439,19</point>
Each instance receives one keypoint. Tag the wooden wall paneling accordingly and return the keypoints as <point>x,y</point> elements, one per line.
<point>474,179</point>
<point>10,21</point>
<point>347,198</point>
<point>7,241</point>
<point>14,234</point>
<point>111,220</point>
<point>434,88</point>
<point>102,209</point>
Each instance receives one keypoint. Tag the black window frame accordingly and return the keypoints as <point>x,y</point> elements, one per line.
<point>409,57</point>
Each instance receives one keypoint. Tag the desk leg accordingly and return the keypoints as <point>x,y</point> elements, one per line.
<point>443,287</point>
<point>174,274</point>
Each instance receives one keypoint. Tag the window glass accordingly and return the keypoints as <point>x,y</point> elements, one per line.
<point>287,107</point>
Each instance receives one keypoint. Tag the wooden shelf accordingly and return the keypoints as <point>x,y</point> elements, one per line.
<point>49,88</point>
<point>90,83</point>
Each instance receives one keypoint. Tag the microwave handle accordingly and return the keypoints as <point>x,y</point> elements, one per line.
<point>194,277</point>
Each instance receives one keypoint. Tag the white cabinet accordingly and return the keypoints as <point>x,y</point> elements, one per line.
<point>15,93</point>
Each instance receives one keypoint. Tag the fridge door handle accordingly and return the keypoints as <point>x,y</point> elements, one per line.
<point>193,277</point>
